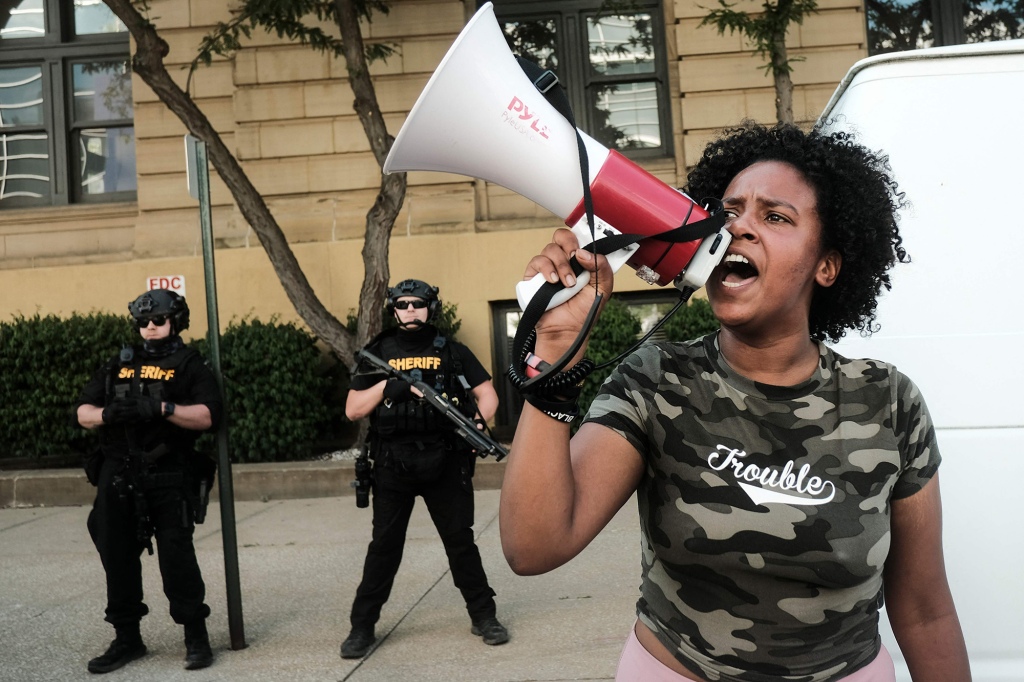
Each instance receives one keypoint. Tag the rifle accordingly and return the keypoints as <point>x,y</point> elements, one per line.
<point>134,463</point>
<point>464,426</point>
<point>135,466</point>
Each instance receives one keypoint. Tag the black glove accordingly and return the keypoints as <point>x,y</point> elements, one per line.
<point>398,391</point>
<point>132,410</point>
<point>148,408</point>
<point>115,413</point>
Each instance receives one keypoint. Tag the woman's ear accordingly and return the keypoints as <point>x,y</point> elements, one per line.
<point>828,268</point>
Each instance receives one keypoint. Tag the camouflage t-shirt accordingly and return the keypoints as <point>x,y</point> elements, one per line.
<point>764,510</point>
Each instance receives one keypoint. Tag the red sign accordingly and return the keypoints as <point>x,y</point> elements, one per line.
<point>175,283</point>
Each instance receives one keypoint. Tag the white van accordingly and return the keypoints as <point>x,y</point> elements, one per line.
<point>952,122</point>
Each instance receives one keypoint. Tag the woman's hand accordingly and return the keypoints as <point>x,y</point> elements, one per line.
<point>559,327</point>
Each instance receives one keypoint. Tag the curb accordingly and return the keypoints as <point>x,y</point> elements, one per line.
<point>249,482</point>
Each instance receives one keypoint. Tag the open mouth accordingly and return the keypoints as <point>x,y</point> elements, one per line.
<point>737,271</point>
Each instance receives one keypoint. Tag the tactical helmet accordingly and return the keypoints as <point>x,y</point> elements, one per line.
<point>417,288</point>
<point>161,302</point>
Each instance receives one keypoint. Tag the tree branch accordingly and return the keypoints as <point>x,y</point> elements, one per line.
<point>380,220</point>
<point>148,63</point>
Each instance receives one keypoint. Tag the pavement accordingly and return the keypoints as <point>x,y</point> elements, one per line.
<point>301,541</point>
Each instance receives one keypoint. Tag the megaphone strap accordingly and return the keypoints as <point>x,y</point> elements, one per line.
<point>545,81</point>
<point>691,232</point>
<point>547,84</point>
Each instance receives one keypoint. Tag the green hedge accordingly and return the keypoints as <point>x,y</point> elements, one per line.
<point>44,363</point>
<point>614,332</point>
<point>691,322</point>
<point>285,396</point>
<point>617,330</point>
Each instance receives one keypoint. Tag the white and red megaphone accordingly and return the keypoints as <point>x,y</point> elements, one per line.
<point>480,115</point>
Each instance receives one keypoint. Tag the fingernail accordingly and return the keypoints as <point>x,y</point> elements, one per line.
<point>570,281</point>
<point>583,254</point>
<point>553,277</point>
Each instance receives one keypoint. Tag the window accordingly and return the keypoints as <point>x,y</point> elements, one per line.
<point>610,57</point>
<point>896,25</point>
<point>66,116</point>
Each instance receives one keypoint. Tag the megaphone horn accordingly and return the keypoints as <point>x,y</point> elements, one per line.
<point>480,115</point>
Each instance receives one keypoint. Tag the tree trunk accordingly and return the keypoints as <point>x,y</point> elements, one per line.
<point>148,63</point>
<point>381,217</point>
<point>783,82</point>
<point>380,220</point>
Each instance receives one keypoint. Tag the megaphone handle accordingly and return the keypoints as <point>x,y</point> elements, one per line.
<point>527,288</point>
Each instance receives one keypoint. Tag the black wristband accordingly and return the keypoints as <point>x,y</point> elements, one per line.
<point>563,411</point>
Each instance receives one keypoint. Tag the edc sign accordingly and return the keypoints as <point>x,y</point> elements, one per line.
<point>175,283</point>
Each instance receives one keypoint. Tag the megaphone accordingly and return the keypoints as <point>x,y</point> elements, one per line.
<point>480,115</point>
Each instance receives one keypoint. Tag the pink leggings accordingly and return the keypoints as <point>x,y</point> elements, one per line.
<point>636,664</point>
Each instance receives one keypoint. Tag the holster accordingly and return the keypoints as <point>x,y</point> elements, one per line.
<point>199,483</point>
<point>92,462</point>
<point>198,499</point>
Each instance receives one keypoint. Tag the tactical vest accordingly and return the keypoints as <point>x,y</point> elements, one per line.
<point>166,450</point>
<point>133,375</point>
<point>414,417</point>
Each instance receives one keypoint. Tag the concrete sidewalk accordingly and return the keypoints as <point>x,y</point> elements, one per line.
<point>300,561</point>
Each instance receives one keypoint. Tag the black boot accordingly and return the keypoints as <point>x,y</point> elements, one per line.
<point>491,630</point>
<point>126,647</point>
<point>358,642</point>
<point>198,653</point>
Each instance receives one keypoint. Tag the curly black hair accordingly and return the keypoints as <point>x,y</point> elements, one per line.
<point>857,202</point>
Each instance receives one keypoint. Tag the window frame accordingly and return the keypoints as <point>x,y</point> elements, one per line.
<point>947,25</point>
<point>574,72</point>
<point>56,52</point>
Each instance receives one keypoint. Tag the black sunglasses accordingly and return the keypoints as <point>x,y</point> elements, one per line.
<point>158,320</point>
<point>416,303</point>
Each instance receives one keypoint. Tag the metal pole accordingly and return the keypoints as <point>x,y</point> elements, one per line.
<point>236,627</point>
